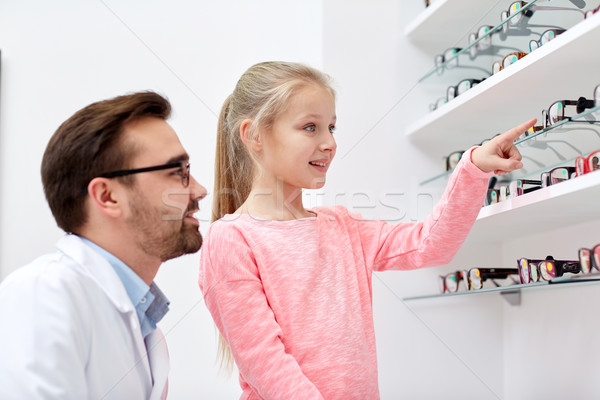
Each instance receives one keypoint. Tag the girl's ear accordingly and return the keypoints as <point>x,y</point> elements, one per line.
<point>252,141</point>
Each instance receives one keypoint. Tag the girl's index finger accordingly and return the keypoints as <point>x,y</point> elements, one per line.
<point>514,133</point>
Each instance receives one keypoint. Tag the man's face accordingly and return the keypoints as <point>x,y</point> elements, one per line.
<point>161,209</point>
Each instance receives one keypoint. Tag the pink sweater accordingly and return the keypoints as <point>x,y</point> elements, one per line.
<point>293,298</point>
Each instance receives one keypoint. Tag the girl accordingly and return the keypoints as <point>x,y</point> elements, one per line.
<point>288,287</point>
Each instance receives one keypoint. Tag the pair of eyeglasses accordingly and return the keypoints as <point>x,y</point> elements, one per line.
<point>557,175</point>
<point>474,278</point>
<point>461,87</point>
<point>445,58</point>
<point>557,111</point>
<point>182,166</point>
<point>531,271</point>
<point>520,187</point>
<point>452,159</point>
<point>480,40</point>
<point>519,11</point>
<point>589,259</point>
<point>585,165</point>
<point>508,60</point>
<point>454,91</point>
<point>545,37</point>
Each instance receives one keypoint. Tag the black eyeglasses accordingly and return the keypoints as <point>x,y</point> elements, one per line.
<point>556,111</point>
<point>589,258</point>
<point>477,276</point>
<point>557,175</point>
<point>532,270</point>
<point>183,171</point>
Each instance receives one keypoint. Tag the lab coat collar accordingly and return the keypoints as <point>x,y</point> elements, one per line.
<point>97,266</point>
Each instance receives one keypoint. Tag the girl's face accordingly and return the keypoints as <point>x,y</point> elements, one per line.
<point>299,148</point>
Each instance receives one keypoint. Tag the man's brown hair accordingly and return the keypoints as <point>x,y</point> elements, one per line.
<point>89,144</point>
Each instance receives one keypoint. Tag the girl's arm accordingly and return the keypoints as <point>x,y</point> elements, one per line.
<point>234,295</point>
<point>436,240</point>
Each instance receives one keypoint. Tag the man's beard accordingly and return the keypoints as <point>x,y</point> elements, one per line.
<point>162,234</point>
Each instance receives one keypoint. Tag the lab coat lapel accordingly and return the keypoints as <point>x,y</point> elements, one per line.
<point>158,356</point>
<point>109,281</point>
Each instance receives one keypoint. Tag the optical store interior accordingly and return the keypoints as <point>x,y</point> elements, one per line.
<point>418,83</point>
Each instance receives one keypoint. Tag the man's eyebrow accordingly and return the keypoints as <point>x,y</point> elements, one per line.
<point>179,158</point>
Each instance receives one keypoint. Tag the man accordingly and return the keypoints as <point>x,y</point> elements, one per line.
<point>81,323</point>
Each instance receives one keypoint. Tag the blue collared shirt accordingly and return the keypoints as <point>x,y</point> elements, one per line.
<point>150,303</point>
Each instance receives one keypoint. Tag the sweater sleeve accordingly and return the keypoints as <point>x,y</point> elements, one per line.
<point>234,294</point>
<point>436,240</point>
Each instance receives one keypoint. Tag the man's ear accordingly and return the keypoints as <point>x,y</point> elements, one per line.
<point>105,197</point>
<point>252,141</point>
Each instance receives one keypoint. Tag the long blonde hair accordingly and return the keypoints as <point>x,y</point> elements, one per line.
<point>261,94</point>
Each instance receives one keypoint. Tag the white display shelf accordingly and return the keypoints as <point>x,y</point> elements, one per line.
<point>436,26</point>
<point>564,204</point>
<point>569,65</point>
<point>512,293</point>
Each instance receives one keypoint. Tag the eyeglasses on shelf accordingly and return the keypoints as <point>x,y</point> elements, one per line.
<point>557,110</point>
<point>557,175</point>
<point>480,40</point>
<point>520,11</point>
<point>545,37</point>
<point>589,259</point>
<point>450,283</point>
<point>508,60</point>
<point>445,58</point>
<point>531,271</point>
<point>454,91</point>
<point>585,165</point>
<point>477,276</point>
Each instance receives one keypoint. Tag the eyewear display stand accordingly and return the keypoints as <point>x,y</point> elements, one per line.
<point>525,88</point>
<point>512,293</point>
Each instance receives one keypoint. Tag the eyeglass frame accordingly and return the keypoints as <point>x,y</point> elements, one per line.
<point>581,105</point>
<point>491,274</point>
<point>184,165</point>
<point>546,177</point>
<point>500,63</point>
<point>593,262</point>
<point>539,43</point>
<point>582,163</point>
<point>559,265</point>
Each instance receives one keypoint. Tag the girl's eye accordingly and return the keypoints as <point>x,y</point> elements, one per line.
<point>310,128</point>
<point>332,128</point>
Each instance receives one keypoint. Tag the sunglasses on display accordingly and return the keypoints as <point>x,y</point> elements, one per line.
<point>589,259</point>
<point>531,271</point>
<point>585,165</point>
<point>509,59</point>
<point>545,37</point>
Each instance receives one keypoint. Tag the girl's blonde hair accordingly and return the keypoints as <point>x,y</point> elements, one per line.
<point>260,95</point>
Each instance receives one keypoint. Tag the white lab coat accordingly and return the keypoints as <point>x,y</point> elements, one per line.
<point>69,331</point>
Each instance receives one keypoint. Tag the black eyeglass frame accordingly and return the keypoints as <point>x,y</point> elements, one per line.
<point>184,165</point>
<point>491,274</point>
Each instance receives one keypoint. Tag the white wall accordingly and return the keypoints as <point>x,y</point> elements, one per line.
<point>59,56</point>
